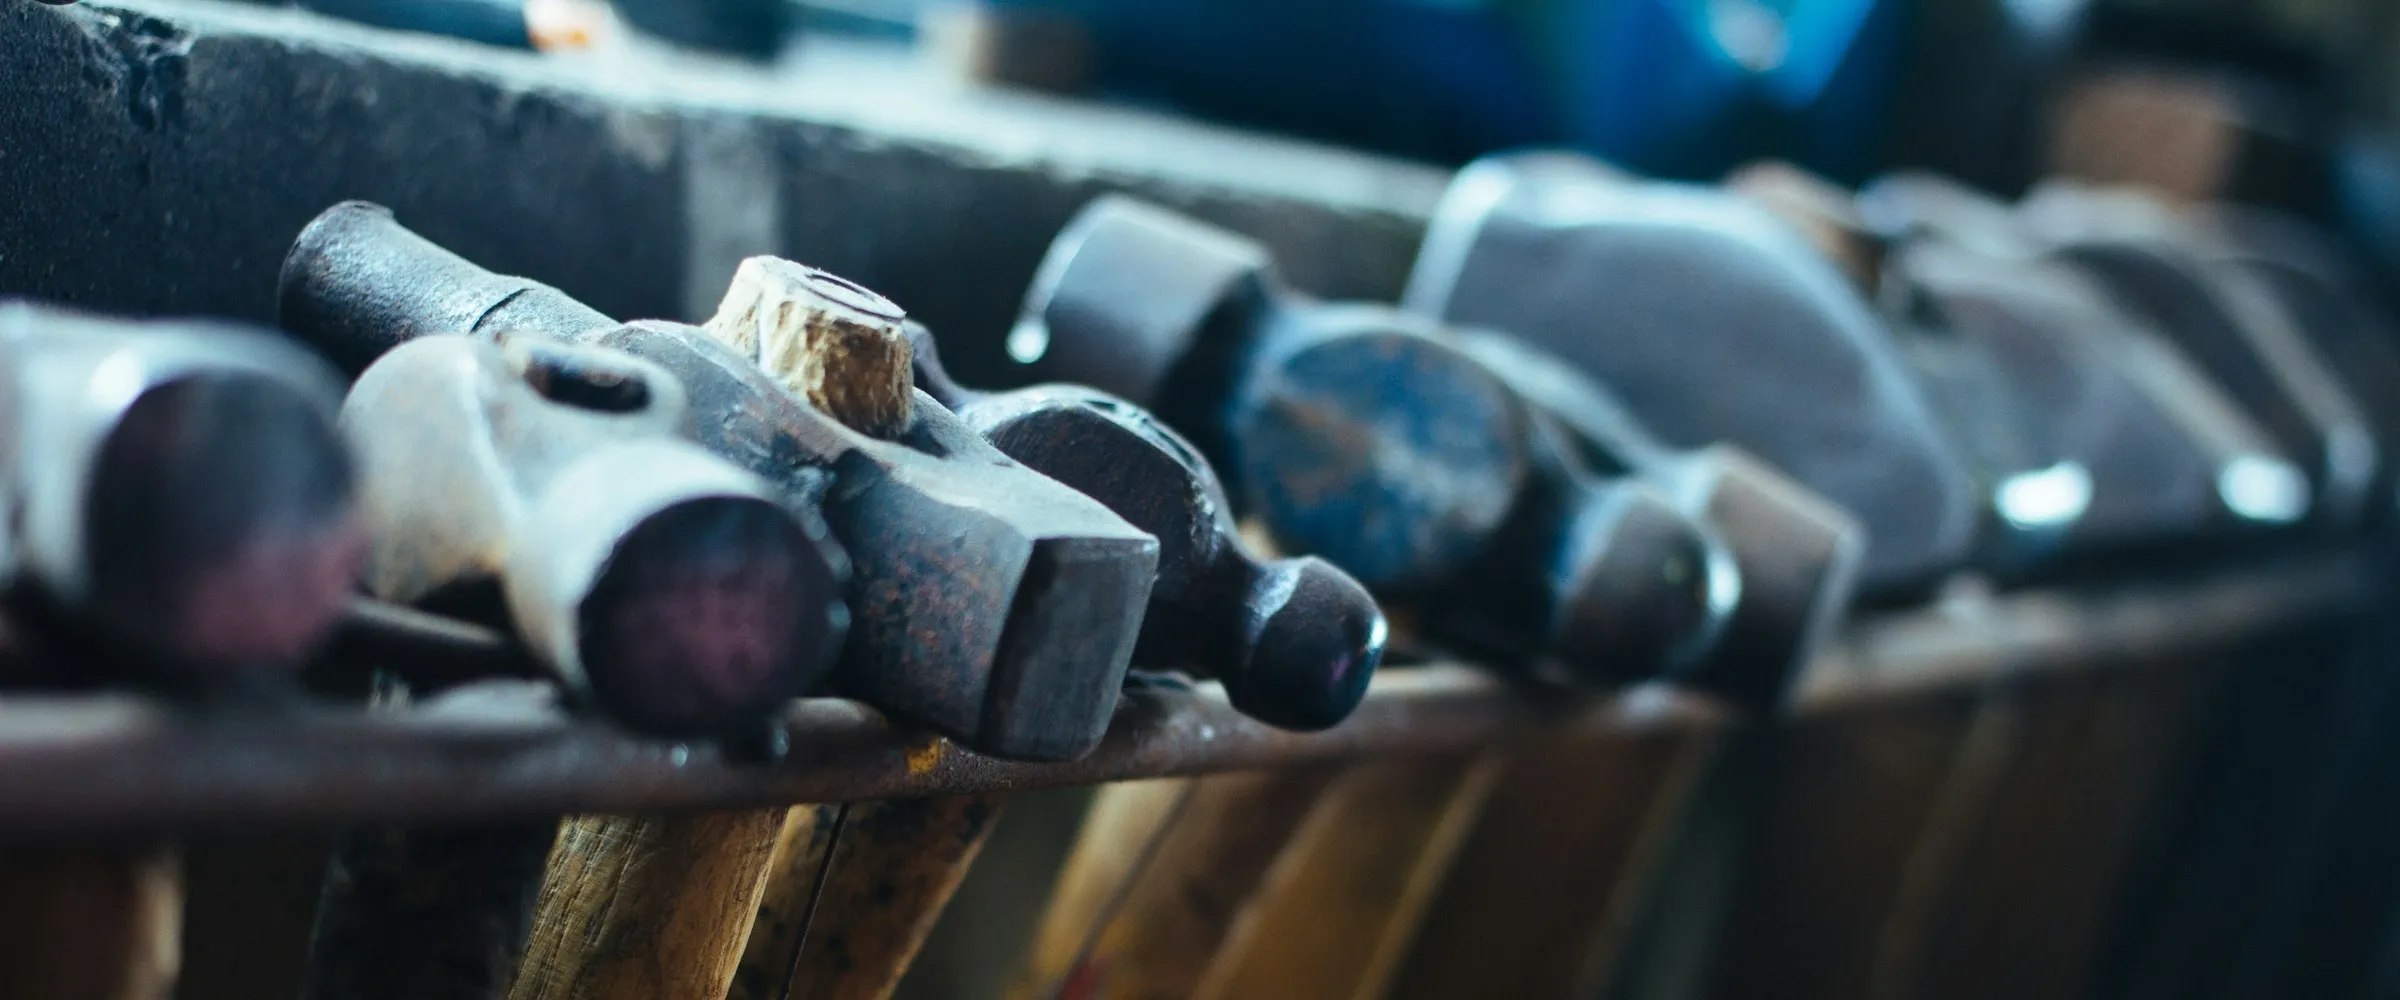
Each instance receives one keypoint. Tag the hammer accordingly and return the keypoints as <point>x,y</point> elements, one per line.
<point>656,579</point>
<point>1710,321</point>
<point>988,603</point>
<point>1293,640</point>
<point>1357,434</point>
<point>2179,277</point>
<point>2198,463</point>
<point>2128,449</point>
<point>178,489</point>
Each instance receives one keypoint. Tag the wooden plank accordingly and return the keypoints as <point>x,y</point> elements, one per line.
<point>794,874</point>
<point>1540,896</point>
<point>1343,900</point>
<point>96,921</point>
<point>1851,796</point>
<point>635,908</point>
<point>2034,898</point>
<point>1159,925</point>
<point>895,866</point>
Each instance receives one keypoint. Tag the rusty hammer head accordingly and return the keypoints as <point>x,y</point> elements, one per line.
<point>989,602</point>
<point>1355,433</point>
<point>1293,640</point>
<point>659,580</point>
<point>948,530</point>
<point>181,485</point>
<point>1712,321</point>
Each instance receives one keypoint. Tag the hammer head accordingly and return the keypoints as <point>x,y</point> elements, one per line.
<point>655,578</point>
<point>989,603</point>
<point>2177,276</point>
<point>181,485</point>
<point>1354,433</point>
<point>1794,554</point>
<point>1294,641</point>
<point>2207,464</point>
<point>1712,321</point>
<point>1393,461</point>
<point>1131,294</point>
<point>2334,305</point>
<point>2143,446</point>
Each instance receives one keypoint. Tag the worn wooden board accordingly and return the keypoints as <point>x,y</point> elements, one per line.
<point>1538,901</point>
<point>1144,924</point>
<point>646,906</point>
<point>1344,899</point>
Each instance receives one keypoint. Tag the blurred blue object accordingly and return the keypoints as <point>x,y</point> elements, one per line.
<point>1423,79</point>
<point>1684,88</point>
<point>1693,88</point>
<point>492,22</point>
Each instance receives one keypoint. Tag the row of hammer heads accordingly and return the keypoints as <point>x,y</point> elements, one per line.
<point>1617,431</point>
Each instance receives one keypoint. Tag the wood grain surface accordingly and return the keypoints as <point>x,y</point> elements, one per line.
<point>1163,920</point>
<point>1851,795</point>
<point>894,867</point>
<point>647,906</point>
<point>1343,901</point>
<point>1538,901</point>
<point>793,876</point>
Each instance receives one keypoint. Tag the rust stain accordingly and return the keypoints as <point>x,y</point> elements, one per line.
<point>923,757</point>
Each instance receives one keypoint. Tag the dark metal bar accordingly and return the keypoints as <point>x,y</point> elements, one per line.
<point>505,750</point>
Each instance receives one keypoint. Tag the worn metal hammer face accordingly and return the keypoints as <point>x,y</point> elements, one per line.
<point>988,602</point>
<point>2102,464</point>
<point>1712,322</point>
<point>2181,279</point>
<point>657,579</point>
<point>1797,553</point>
<point>179,484</point>
<point>1357,434</point>
<point>1294,640</point>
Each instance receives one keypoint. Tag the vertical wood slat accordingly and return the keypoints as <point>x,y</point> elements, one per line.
<point>1344,899</point>
<point>1125,825</point>
<point>1970,850</point>
<point>1145,927</point>
<point>97,921</point>
<point>802,848</point>
<point>2026,911</point>
<point>637,907</point>
<point>894,866</point>
<point>1850,794</point>
<point>1537,901</point>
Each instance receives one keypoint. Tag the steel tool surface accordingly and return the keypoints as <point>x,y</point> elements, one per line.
<point>988,602</point>
<point>1712,322</point>
<point>1359,434</point>
<point>178,488</point>
<point>1293,640</point>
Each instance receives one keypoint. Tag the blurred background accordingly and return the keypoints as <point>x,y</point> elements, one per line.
<point>2273,873</point>
<point>2280,102</point>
